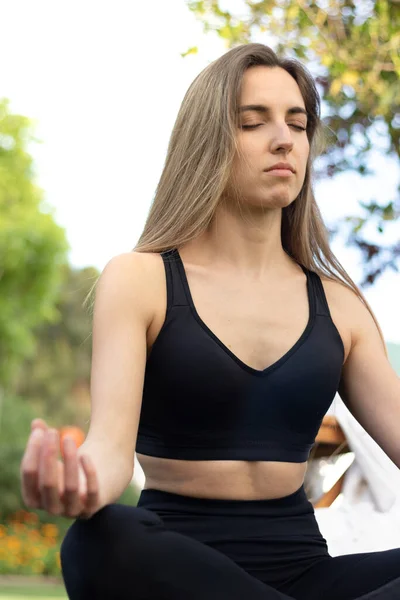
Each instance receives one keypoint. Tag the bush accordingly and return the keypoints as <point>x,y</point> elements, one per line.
<point>15,425</point>
<point>28,547</point>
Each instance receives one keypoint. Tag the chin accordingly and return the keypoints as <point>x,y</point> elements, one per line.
<point>275,201</point>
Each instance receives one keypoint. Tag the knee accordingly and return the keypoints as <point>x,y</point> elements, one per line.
<point>114,529</point>
<point>95,549</point>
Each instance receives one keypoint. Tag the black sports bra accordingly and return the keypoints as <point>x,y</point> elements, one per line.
<point>201,402</point>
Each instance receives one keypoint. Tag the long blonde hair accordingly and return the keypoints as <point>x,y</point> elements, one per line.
<point>199,161</point>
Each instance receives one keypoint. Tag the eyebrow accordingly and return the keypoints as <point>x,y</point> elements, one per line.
<point>260,108</point>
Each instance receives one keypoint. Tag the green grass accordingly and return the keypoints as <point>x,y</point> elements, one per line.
<point>49,592</point>
<point>27,597</point>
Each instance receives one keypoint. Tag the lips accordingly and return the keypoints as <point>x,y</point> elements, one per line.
<point>281,166</point>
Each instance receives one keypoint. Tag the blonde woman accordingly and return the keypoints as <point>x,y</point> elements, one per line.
<point>218,346</point>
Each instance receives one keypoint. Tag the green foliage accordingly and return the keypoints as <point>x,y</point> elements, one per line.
<point>192,50</point>
<point>45,330</point>
<point>15,419</point>
<point>52,384</point>
<point>32,247</point>
<point>55,380</point>
<point>130,496</point>
<point>355,49</point>
<point>28,548</point>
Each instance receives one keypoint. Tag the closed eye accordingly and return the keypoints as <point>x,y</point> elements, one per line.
<point>259,125</point>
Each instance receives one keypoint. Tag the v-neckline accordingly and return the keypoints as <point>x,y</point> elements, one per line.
<point>246,367</point>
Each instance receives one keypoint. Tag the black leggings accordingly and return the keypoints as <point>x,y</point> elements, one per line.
<point>173,547</point>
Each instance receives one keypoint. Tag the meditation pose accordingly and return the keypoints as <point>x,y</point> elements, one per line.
<point>219,344</point>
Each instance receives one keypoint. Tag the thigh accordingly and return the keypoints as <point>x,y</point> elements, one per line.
<point>374,575</point>
<point>125,552</point>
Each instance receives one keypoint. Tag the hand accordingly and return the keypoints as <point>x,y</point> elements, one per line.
<point>68,488</point>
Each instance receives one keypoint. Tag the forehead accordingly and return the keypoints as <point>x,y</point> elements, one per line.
<point>270,85</point>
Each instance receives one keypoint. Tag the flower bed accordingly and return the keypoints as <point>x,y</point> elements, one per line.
<point>28,547</point>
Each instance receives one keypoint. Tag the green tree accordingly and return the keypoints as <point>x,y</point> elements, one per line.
<point>15,419</point>
<point>55,379</point>
<point>352,48</point>
<point>32,247</point>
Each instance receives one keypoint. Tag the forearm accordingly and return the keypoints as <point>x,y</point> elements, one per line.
<point>113,472</point>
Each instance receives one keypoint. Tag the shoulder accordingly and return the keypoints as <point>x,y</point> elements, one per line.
<point>341,295</point>
<point>131,272</point>
<point>348,307</point>
<point>131,281</point>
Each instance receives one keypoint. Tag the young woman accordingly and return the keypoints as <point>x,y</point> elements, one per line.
<point>218,346</point>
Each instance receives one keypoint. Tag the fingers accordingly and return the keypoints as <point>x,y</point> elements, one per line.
<point>92,496</point>
<point>30,469</point>
<point>48,473</point>
<point>39,423</point>
<point>69,488</point>
<point>72,485</point>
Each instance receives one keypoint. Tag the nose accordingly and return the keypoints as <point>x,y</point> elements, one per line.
<point>282,139</point>
<point>282,144</point>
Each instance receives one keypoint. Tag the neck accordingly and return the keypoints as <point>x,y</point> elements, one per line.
<point>249,241</point>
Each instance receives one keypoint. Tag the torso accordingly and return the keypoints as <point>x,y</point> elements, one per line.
<point>259,322</point>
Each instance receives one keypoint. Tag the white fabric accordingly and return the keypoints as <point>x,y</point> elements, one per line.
<point>366,515</point>
<point>353,529</point>
<point>381,474</point>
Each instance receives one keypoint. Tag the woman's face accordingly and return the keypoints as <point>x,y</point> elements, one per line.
<point>267,134</point>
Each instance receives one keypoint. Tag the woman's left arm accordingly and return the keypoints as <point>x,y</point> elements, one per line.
<point>370,387</point>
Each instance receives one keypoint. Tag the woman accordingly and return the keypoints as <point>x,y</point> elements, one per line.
<point>218,346</point>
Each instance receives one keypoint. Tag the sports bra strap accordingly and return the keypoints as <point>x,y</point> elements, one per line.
<point>321,303</point>
<point>175,290</point>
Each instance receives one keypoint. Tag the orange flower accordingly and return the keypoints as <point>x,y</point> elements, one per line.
<point>36,551</point>
<point>31,518</point>
<point>34,535</point>
<point>13,543</point>
<point>19,528</point>
<point>49,531</point>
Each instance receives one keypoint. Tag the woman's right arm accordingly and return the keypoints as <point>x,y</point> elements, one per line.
<point>122,314</point>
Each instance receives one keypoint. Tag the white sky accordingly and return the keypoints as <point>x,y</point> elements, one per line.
<point>104,82</point>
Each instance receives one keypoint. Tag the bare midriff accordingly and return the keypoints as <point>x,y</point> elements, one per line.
<point>223,479</point>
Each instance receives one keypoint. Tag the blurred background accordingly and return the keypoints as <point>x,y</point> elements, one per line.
<point>89,92</point>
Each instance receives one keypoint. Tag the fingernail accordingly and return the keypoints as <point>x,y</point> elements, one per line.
<point>37,434</point>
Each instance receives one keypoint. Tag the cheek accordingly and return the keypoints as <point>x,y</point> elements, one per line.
<point>251,145</point>
<point>248,158</point>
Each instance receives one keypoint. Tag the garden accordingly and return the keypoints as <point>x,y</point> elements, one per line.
<point>30,548</point>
